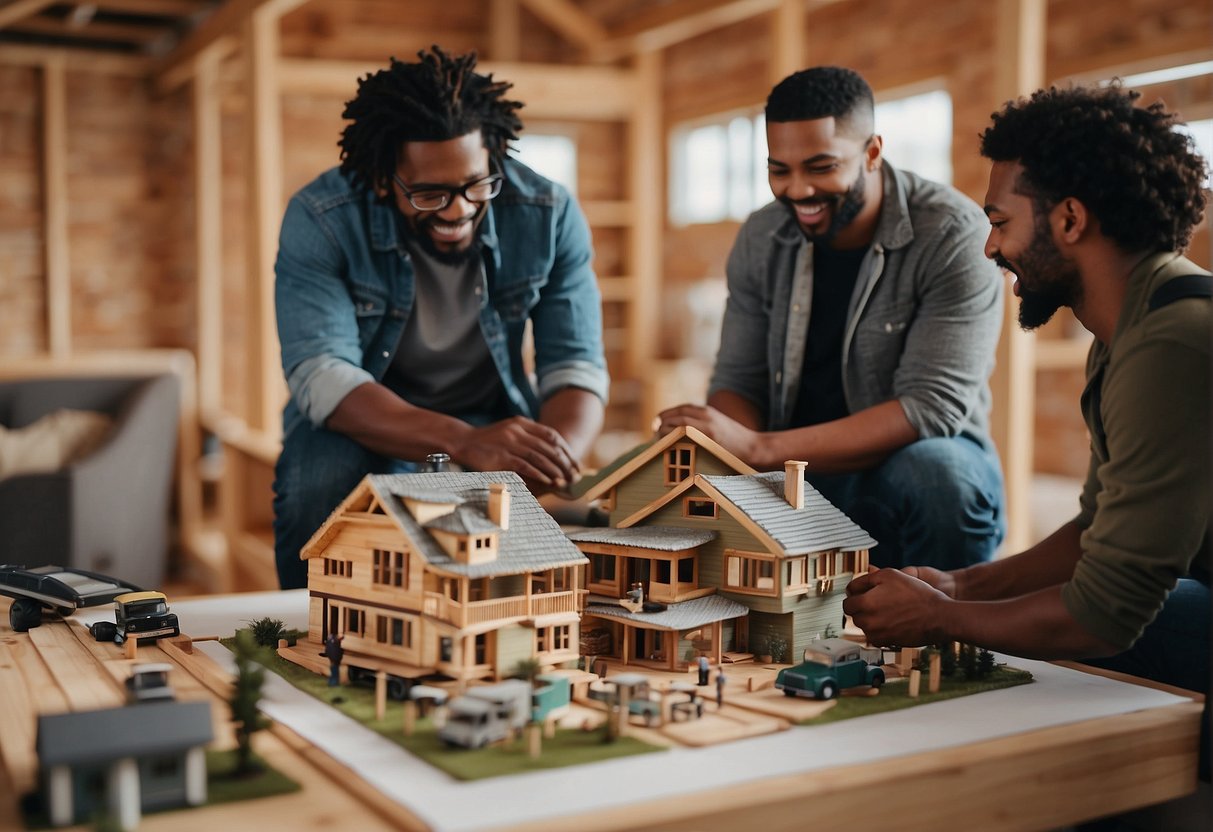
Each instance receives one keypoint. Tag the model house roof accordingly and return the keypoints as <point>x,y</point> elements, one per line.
<point>533,542</point>
<point>816,527</point>
<point>595,486</point>
<point>680,616</point>
<point>660,538</point>
<point>148,729</point>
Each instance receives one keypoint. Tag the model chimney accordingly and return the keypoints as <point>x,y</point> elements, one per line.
<point>793,483</point>
<point>499,504</point>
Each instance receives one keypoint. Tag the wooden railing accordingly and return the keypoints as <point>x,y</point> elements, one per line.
<point>494,609</point>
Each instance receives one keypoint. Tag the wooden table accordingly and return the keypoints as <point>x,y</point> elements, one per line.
<point>1038,779</point>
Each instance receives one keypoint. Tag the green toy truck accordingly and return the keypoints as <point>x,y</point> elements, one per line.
<point>830,665</point>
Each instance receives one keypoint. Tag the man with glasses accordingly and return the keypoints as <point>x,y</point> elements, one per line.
<point>859,333</point>
<point>405,280</point>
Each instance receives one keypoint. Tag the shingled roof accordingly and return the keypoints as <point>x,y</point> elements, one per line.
<point>680,616</point>
<point>532,543</point>
<point>817,527</point>
<point>464,520</point>
<point>659,538</point>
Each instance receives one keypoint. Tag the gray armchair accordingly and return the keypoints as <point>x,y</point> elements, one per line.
<point>108,511</point>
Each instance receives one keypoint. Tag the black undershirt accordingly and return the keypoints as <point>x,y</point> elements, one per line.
<point>820,397</point>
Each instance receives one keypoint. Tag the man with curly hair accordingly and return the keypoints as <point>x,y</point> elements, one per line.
<point>1091,202</point>
<point>405,280</point>
<point>859,333</point>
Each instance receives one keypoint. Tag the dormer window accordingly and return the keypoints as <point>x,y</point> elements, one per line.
<point>679,463</point>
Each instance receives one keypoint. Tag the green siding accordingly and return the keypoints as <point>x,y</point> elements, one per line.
<point>514,643</point>
<point>763,625</point>
<point>647,483</point>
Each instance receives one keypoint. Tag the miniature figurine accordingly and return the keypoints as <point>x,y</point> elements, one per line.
<point>705,670</point>
<point>720,681</point>
<point>334,652</point>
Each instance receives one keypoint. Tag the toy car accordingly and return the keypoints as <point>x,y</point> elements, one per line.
<point>149,683</point>
<point>830,665</point>
<point>137,615</point>
<point>57,588</point>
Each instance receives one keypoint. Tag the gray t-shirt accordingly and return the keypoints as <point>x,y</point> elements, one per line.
<point>442,361</point>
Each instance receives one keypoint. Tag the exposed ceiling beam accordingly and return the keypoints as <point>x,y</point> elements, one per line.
<point>13,10</point>
<point>569,21</point>
<point>159,8</point>
<point>227,19</point>
<point>93,30</point>
<point>673,23</point>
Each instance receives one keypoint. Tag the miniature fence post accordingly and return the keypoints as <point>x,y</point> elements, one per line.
<point>380,693</point>
<point>533,741</point>
<point>623,710</point>
<point>132,647</point>
<point>915,682</point>
<point>549,729</point>
<point>410,717</point>
<point>936,664</point>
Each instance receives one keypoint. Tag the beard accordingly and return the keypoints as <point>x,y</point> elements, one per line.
<point>844,208</point>
<point>416,231</point>
<point>1055,281</point>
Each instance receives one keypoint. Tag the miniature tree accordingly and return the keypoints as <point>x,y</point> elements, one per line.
<point>246,693</point>
<point>830,632</point>
<point>527,670</point>
<point>777,646</point>
<point>266,631</point>
<point>985,663</point>
<point>968,661</point>
<point>947,653</point>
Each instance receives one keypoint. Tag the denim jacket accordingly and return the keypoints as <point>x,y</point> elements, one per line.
<point>921,326</point>
<point>344,291</point>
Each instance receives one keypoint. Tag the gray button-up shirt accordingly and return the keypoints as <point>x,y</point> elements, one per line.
<point>922,323</point>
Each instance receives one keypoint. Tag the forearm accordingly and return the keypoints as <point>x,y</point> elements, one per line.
<point>576,415</point>
<point>853,443</point>
<point>1049,563</point>
<point>379,420</point>
<point>738,408</point>
<point>1036,626</point>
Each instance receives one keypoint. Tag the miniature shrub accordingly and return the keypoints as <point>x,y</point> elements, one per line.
<point>267,631</point>
<point>777,647</point>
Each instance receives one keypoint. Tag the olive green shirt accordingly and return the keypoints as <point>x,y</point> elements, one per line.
<point>1145,505</point>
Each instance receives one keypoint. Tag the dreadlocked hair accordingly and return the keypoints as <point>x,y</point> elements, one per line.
<point>438,98</point>
<point>1129,165</point>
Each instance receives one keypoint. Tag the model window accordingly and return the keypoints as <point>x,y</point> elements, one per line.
<point>389,568</point>
<point>686,570</point>
<point>750,573</point>
<point>338,568</point>
<point>679,463</point>
<point>796,573</point>
<point>827,565</point>
<point>561,637</point>
<point>698,507</point>
<point>603,568</point>
<point>855,562</point>
<point>662,571</point>
<point>354,622</point>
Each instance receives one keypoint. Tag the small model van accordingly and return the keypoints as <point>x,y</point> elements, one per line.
<point>487,714</point>
<point>830,665</point>
<point>138,615</point>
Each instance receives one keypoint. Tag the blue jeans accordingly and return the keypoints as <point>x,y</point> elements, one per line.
<point>315,472</point>
<point>1174,650</point>
<point>936,502</point>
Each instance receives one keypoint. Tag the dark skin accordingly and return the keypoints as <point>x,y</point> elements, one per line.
<point>544,452</point>
<point>811,164</point>
<point>1011,605</point>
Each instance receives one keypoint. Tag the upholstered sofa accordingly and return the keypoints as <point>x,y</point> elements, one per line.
<point>108,511</point>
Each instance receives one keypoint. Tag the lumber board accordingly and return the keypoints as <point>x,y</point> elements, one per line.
<point>74,669</point>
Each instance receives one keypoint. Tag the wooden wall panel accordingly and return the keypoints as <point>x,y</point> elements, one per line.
<point>22,292</point>
<point>235,268</point>
<point>374,30</point>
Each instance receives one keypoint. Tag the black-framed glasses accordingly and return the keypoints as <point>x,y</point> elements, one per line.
<point>437,197</point>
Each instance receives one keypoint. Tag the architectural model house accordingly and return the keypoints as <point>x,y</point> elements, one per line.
<point>462,574</point>
<point>740,561</point>
<point>123,761</point>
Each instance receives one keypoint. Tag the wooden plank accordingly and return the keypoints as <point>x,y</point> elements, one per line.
<point>569,21</point>
<point>505,30</point>
<point>91,60</point>
<point>74,669</point>
<point>55,198</point>
<point>155,8</point>
<point>609,213</point>
<point>265,392</point>
<point>550,91</point>
<point>1019,70</point>
<point>788,35</point>
<point>646,192</point>
<point>208,228</point>
<point>136,33</point>
<point>228,20</point>
<point>16,10</point>
<point>670,23</point>
<point>18,717</point>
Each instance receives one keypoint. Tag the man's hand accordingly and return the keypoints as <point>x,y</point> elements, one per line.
<point>945,582</point>
<point>535,452</point>
<point>734,436</point>
<point>895,608</point>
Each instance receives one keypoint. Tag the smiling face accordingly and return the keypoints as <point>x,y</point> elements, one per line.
<point>828,179</point>
<point>453,163</point>
<point>1021,242</point>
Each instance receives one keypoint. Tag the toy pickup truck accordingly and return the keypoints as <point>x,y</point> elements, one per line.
<point>57,588</point>
<point>137,615</point>
<point>830,665</point>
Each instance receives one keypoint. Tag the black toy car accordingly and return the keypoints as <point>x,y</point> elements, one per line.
<point>59,588</point>
<point>138,615</point>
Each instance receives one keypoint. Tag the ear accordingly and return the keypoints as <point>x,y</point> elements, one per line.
<point>1070,220</point>
<point>872,154</point>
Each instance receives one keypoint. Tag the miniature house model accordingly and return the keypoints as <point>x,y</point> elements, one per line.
<point>462,574</point>
<point>740,561</point>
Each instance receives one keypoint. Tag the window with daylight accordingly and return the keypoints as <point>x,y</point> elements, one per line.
<point>551,155</point>
<point>718,165</point>
<point>679,463</point>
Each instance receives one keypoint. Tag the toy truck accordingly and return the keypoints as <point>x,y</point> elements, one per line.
<point>830,665</point>
<point>58,588</point>
<point>137,615</point>
<point>487,714</point>
<point>550,698</point>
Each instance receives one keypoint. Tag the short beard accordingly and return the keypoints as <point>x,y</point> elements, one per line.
<point>449,258</point>
<point>1059,282</point>
<point>847,207</point>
